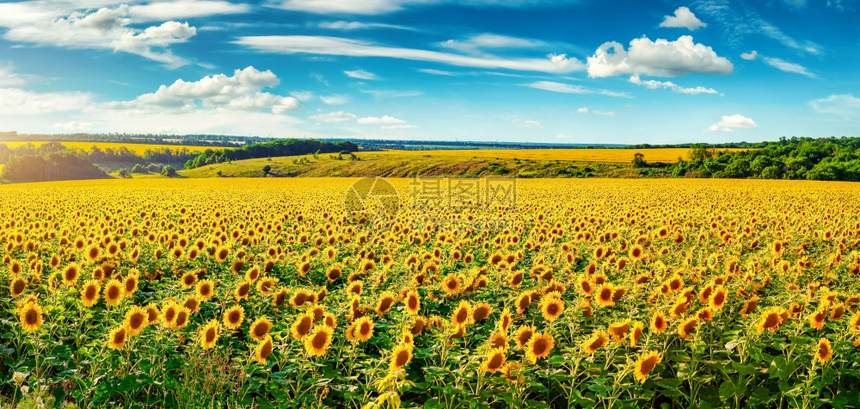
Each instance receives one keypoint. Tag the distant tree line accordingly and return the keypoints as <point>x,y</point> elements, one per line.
<point>51,166</point>
<point>283,147</point>
<point>789,158</point>
<point>133,138</point>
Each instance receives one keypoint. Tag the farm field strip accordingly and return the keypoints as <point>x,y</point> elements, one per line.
<point>593,292</point>
<point>138,148</point>
<point>667,155</point>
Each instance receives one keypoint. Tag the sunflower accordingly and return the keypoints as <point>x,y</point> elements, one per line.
<point>770,320</point>
<point>837,311</point>
<point>169,308</point>
<point>266,284</point>
<point>90,293</point>
<point>505,320</point>
<point>636,333</point>
<point>511,372</point>
<point>263,350</point>
<point>113,292</point>
<point>480,311</point>
<point>749,306</point>
<point>551,306</point>
<point>93,253</point>
<point>412,302</point>
<point>192,303</point>
<point>354,287</point>
<point>498,340</point>
<point>385,302</point>
<point>279,297</point>
<point>645,364</point>
<point>598,340</point>
<point>241,291</point>
<point>205,289</point>
<point>604,295</point>
<point>181,319</point>
<point>679,308</point>
<point>71,274</point>
<point>135,320</point>
<point>400,357</point>
<point>260,328</point>
<point>188,280</point>
<point>494,361</point>
<point>705,314</point>
<point>233,317</point>
<point>117,338</point>
<point>637,253</point>
<point>718,298</point>
<point>618,330</point>
<point>854,322</point>
<point>451,284</point>
<point>330,320</point>
<point>584,285</point>
<point>816,320</point>
<point>460,316</point>
<point>823,352</point>
<point>152,314</point>
<point>302,325</point>
<point>523,302</point>
<point>687,327</point>
<point>31,316</point>
<point>362,329</point>
<point>17,287</point>
<point>316,311</point>
<point>318,341</point>
<point>298,299</point>
<point>539,346</point>
<point>252,274</point>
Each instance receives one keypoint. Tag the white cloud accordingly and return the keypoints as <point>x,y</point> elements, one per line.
<point>339,116</point>
<point>319,45</point>
<point>74,126</point>
<point>652,84</point>
<point>474,45</point>
<point>788,67</point>
<point>586,110</point>
<point>381,93</point>
<point>105,28</point>
<point>8,77</point>
<point>357,25</point>
<point>528,123</point>
<point>838,104</point>
<point>399,126</point>
<point>683,18</point>
<point>384,120</point>
<point>750,55</point>
<point>361,74</point>
<point>302,95</point>
<point>334,99</point>
<point>571,89</point>
<point>14,101</point>
<point>730,122</point>
<point>183,9</point>
<point>372,7</point>
<point>438,72</point>
<point>242,92</point>
<point>658,58</point>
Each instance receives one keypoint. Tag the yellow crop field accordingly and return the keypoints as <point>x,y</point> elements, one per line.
<point>138,148</point>
<point>333,292</point>
<point>667,155</point>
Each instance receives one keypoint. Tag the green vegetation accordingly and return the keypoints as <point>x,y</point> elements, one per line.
<point>795,158</point>
<point>289,147</point>
<point>51,166</point>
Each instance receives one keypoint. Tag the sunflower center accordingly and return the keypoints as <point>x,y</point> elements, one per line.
<point>31,317</point>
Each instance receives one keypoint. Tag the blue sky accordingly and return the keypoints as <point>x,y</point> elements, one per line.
<point>575,71</point>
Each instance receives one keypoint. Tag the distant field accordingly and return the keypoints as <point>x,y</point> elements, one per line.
<point>667,155</point>
<point>138,148</point>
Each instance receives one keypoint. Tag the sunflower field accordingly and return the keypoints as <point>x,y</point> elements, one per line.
<point>261,293</point>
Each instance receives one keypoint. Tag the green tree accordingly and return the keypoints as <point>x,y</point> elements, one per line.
<point>266,170</point>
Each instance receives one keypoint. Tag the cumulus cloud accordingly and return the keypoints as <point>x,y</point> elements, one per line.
<point>730,122</point>
<point>788,67</point>
<point>339,116</point>
<point>321,45</point>
<point>242,91</point>
<point>683,18</point>
<point>657,58</point>
<point>750,55</point>
<point>653,84</point>
<point>838,104</point>
<point>361,74</point>
<point>571,89</point>
<point>105,28</point>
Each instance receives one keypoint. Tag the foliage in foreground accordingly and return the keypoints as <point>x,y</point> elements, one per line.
<point>604,293</point>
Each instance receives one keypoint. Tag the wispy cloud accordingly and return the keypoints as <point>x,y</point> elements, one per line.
<point>653,84</point>
<point>572,89</point>
<point>846,105</point>
<point>373,7</point>
<point>387,93</point>
<point>358,25</point>
<point>788,67</point>
<point>319,45</point>
<point>339,116</point>
<point>361,74</point>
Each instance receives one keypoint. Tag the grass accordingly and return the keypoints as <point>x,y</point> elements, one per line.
<point>405,164</point>
<point>137,148</point>
<point>666,155</point>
